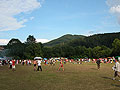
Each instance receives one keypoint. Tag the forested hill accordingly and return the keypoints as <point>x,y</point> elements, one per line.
<point>105,39</point>
<point>73,46</point>
<point>96,40</point>
<point>64,39</point>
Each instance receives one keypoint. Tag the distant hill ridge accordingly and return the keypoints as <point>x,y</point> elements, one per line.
<point>64,39</point>
<point>105,39</point>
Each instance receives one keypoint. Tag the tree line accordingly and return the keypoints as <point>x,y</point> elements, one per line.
<point>74,49</point>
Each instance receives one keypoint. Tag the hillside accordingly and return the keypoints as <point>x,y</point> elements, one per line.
<point>105,39</point>
<point>96,40</point>
<point>64,39</point>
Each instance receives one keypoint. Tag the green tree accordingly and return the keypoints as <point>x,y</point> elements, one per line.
<point>89,53</point>
<point>30,39</point>
<point>97,52</point>
<point>13,42</point>
<point>33,50</point>
<point>47,52</point>
<point>80,52</point>
<point>15,49</point>
<point>116,47</point>
<point>103,51</point>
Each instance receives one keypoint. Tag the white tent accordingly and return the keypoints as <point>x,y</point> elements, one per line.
<point>37,58</point>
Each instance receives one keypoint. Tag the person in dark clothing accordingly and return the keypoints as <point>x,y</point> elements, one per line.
<point>98,63</point>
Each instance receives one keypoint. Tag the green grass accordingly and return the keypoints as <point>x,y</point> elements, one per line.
<point>75,77</point>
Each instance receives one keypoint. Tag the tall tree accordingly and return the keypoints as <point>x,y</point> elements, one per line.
<point>31,39</point>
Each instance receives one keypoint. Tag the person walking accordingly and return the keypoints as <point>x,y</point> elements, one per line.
<point>61,66</point>
<point>39,65</point>
<point>116,68</point>
<point>98,63</point>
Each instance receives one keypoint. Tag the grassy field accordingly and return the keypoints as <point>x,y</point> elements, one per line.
<point>75,77</point>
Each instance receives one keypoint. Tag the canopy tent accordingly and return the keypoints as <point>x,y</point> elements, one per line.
<point>38,58</point>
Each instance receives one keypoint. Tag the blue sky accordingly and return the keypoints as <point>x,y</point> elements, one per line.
<point>50,19</point>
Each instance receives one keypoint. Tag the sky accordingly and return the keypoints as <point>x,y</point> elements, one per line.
<point>49,19</point>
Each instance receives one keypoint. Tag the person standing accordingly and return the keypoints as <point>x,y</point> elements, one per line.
<point>35,63</point>
<point>53,62</point>
<point>23,62</point>
<point>39,65</point>
<point>116,68</point>
<point>98,63</point>
<point>10,63</point>
<point>29,62</point>
<point>13,65</point>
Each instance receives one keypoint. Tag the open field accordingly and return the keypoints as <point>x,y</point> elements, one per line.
<point>75,77</point>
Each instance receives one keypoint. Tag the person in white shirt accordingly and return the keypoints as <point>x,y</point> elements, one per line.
<point>39,65</point>
<point>10,63</point>
<point>116,68</point>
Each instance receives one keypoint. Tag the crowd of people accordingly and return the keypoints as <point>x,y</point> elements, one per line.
<point>52,61</point>
<point>37,63</point>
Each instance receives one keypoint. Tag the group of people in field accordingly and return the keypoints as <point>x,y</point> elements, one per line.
<point>37,63</point>
<point>52,62</point>
<point>116,67</point>
<point>10,62</point>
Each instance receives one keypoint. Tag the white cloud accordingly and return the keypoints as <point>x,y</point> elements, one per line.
<point>4,41</point>
<point>10,8</point>
<point>42,40</point>
<point>92,32</point>
<point>114,8</point>
<point>31,18</point>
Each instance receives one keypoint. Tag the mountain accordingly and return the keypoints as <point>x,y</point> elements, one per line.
<point>105,39</point>
<point>92,41</point>
<point>64,39</point>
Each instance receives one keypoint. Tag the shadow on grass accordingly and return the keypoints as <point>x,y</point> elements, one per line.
<point>111,79</point>
<point>107,78</point>
<point>116,85</point>
<point>93,68</point>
